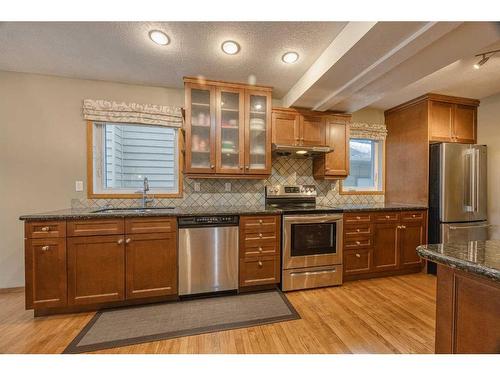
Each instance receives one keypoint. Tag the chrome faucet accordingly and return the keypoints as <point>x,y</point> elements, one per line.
<point>145,189</point>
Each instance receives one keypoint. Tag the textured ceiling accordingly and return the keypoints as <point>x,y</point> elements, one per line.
<point>122,51</point>
<point>457,79</point>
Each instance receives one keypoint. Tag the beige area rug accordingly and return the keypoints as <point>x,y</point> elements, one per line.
<point>134,325</point>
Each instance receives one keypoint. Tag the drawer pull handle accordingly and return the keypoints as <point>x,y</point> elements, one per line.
<point>358,230</point>
<point>120,241</point>
<point>403,226</point>
<point>358,217</point>
<point>358,255</point>
<point>413,215</point>
<point>387,217</point>
<point>45,229</point>
<point>260,264</point>
<point>260,221</point>
<point>128,240</point>
<point>45,248</point>
<point>358,243</point>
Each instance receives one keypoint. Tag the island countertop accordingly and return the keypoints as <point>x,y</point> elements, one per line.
<point>478,257</point>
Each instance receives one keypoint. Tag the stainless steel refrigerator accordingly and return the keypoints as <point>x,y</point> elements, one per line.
<point>457,193</point>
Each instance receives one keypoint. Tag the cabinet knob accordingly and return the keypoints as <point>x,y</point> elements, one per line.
<point>260,221</point>
<point>260,249</point>
<point>358,230</point>
<point>120,241</point>
<point>247,167</point>
<point>413,215</point>
<point>358,243</point>
<point>260,235</point>
<point>128,240</point>
<point>260,264</point>
<point>387,217</point>
<point>403,226</point>
<point>45,229</point>
<point>212,166</point>
<point>45,248</point>
<point>241,167</point>
<point>358,255</point>
<point>358,217</point>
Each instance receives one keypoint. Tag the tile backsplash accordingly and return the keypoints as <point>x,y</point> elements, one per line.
<point>245,192</point>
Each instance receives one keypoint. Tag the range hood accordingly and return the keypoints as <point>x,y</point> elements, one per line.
<point>300,151</point>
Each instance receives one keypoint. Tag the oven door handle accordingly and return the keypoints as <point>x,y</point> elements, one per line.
<point>308,273</point>
<point>305,219</point>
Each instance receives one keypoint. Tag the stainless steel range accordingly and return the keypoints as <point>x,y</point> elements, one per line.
<point>312,238</point>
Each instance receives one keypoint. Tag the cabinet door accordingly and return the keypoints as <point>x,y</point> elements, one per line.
<point>386,243</point>
<point>337,162</point>
<point>200,128</point>
<point>96,269</point>
<point>464,123</point>
<point>230,135</point>
<point>441,121</point>
<point>45,272</point>
<point>261,270</point>
<point>257,132</point>
<point>312,130</point>
<point>286,128</point>
<point>411,235</point>
<point>151,264</point>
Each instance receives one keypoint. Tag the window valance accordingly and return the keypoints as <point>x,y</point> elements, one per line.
<point>368,131</point>
<point>148,114</point>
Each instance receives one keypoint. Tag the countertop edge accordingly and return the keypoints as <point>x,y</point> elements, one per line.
<point>460,264</point>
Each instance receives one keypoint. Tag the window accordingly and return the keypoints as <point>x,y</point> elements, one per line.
<point>124,154</point>
<point>366,167</point>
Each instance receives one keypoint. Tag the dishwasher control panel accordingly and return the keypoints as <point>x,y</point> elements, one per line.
<point>199,221</point>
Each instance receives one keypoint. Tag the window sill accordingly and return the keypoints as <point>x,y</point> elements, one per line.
<point>361,192</point>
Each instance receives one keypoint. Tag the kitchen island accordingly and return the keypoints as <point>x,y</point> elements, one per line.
<point>468,296</point>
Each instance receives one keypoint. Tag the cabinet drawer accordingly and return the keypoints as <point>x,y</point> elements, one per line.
<point>262,270</point>
<point>357,261</point>
<point>359,217</point>
<point>413,216</point>
<point>355,230</point>
<point>150,225</point>
<point>252,249</point>
<point>95,227</point>
<point>256,224</point>
<point>358,243</point>
<point>259,237</point>
<point>386,217</point>
<point>45,229</point>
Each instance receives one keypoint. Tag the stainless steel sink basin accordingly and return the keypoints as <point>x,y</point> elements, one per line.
<point>131,209</point>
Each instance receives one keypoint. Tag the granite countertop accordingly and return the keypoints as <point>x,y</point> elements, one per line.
<point>478,257</point>
<point>89,213</point>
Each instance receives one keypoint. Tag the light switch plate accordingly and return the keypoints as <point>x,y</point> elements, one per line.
<point>197,186</point>
<point>227,187</point>
<point>78,185</point>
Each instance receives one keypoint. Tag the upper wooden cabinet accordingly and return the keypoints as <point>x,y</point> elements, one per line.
<point>334,165</point>
<point>452,122</point>
<point>227,129</point>
<point>297,127</point>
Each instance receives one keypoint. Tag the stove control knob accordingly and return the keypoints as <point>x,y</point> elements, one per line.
<point>302,190</point>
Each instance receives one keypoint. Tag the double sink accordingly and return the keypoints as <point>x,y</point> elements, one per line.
<point>131,209</point>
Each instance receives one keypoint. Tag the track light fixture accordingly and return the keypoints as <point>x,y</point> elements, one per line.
<point>485,57</point>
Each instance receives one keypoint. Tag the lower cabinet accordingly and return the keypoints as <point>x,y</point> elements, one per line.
<point>151,265</point>
<point>381,243</point>
<point>259,251</point>
<point>96,269</point>
<point>45,272</point>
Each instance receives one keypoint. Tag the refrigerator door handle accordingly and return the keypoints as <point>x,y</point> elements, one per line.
<point>468,181</point>
<point>470,226</point>
<point>476,180</point>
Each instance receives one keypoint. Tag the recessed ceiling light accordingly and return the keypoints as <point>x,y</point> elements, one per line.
<point>230,47</point>
<point>301,152</point>
<point>159,37</point>
<point>290,57</point>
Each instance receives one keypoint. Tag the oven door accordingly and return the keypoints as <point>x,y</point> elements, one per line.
<point>312,240</point>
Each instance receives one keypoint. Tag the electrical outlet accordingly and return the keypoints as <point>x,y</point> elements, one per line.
<point>197,186</point>
<point>78,185</point>
<point>227,187</point>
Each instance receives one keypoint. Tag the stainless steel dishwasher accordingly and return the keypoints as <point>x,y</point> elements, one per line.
<point>208,254</point>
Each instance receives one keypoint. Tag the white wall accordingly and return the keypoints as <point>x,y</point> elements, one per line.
<point>488,133</point>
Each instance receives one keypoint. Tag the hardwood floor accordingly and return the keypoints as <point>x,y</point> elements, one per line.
<point>386,315</point>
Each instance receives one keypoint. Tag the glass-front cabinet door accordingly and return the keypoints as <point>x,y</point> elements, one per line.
<point>230,135</point>
<point>200,129</point>
<point>257,132</point>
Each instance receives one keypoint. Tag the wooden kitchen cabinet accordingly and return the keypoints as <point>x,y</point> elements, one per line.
<point>227,129</point>
<point>259,243</point>
<point>312,130</point>
<point>285,127</point>
<point>452,122</point>
<point>45,272</point>
<point>334,165</point>
<point>151,265</point>
<point>383,243</point>
<point>96,269</point>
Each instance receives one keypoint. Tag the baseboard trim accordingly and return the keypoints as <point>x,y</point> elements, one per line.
<point>12,290</point>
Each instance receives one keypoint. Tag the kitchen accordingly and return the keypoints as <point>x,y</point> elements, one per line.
<point>289,216</point>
